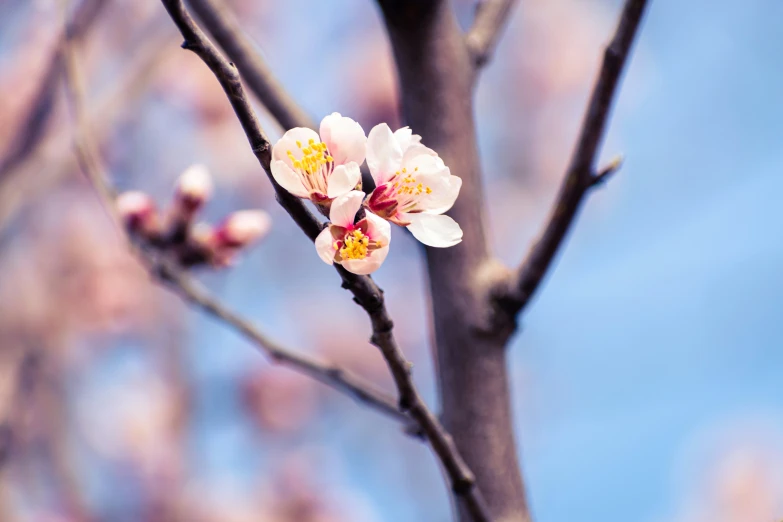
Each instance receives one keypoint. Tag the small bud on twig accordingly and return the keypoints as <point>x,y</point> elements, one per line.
<point>138,213</point>
<point>242,228</point>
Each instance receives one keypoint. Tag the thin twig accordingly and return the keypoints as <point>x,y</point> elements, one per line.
<point>366,292</point>
<point>39,113</point>
<point>491,18</point>
<point>222,25</point>
<point>579,177</point>
<point>329,374</point>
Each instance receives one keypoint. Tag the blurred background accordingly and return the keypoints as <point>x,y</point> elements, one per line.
<point>647,375</point>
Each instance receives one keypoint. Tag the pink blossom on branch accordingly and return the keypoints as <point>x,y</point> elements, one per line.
<point>320,168</point>
<point>361,247</point>
<point>413,186</point>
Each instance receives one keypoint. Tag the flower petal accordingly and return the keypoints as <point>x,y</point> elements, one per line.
<point>289,143</point>
<point>378,228</point>
<point>444,191</point>
<point>345,207</point>
<point>344,179</point>
<point>384,154</point>
<point>436,231</point>
<point>367,265</point>
<point>422,158</point>
<point>288,179</point>
<point>345,139</point>
<point>405,138</point>
<point>324,245</point>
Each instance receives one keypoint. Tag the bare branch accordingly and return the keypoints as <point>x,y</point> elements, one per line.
<point>329,374</point>
<point>32,130</point>
<point>482,38</point>
<point>221,23</point>
<point>603,175</point>
<point>579,177</point>
<point>366,292</point>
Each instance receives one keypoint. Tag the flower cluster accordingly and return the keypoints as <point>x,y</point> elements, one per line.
<point>175,231</point>
<point>413,188</point>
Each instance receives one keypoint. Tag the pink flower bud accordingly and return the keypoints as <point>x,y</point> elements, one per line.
<point>137,211</point>
<point>194,188</point>
<point>242,228</point>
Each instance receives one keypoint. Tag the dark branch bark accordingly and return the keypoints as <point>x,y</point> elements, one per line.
<point>482,38</point>
<point>580,177</point>
<point>329,374</point>
<point>221,23</point>
<point>32,130</point>
<point>436,76</point>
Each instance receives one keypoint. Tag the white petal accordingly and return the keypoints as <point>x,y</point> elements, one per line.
<point>445,189</point>
<point>288,143</point>
<point>288,179</point>
<point>367,265</point>
<point>344,179</point>
<point>345,139</point>
<point>378,228</point>
<point>403,137</point>
<point>345,207</point>
<point>435,231</point>
<point>384,154</point>
<point>324,245</point>
<point>423,158</point>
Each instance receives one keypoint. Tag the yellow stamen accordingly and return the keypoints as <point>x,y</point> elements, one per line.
<point>355,245</point>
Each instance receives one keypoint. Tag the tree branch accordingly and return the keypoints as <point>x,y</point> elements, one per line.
<point>32,130</point>
<point>579,179</point>
<point>366,293</point>
<point>491,18</point>
<point>221,23</point>
<point>436,84</point>
<point>329,374</point>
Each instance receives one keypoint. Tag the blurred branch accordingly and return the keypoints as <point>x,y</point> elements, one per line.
<point>491,18</point>
<point>329,374</point>
<point>222,24</point>
<point>53,159</point>
<point>35,122</point>
<point>580,177</point>
<point>366,292</point>
<point>27,375</point>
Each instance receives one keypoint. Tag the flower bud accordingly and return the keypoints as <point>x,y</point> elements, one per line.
<point>242,228</point>
<point>137,211</point>
<point>194,188</point>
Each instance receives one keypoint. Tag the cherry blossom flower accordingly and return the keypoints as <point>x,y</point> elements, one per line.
<point>320,168</point>
<point>359,247</point>
<point>413,186</point>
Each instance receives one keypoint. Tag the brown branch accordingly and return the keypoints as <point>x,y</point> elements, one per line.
<point>436,74</point>
<point>223,26</point>
<point>491,18</point>
<point>39,114</point>
<point>329,374</point>
<point>579,177</point>
<point>366,292</point>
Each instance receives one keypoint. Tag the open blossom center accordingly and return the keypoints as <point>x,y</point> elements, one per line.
<point>355,245</point>
<point>315,164</point>
<point>406,185</point>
